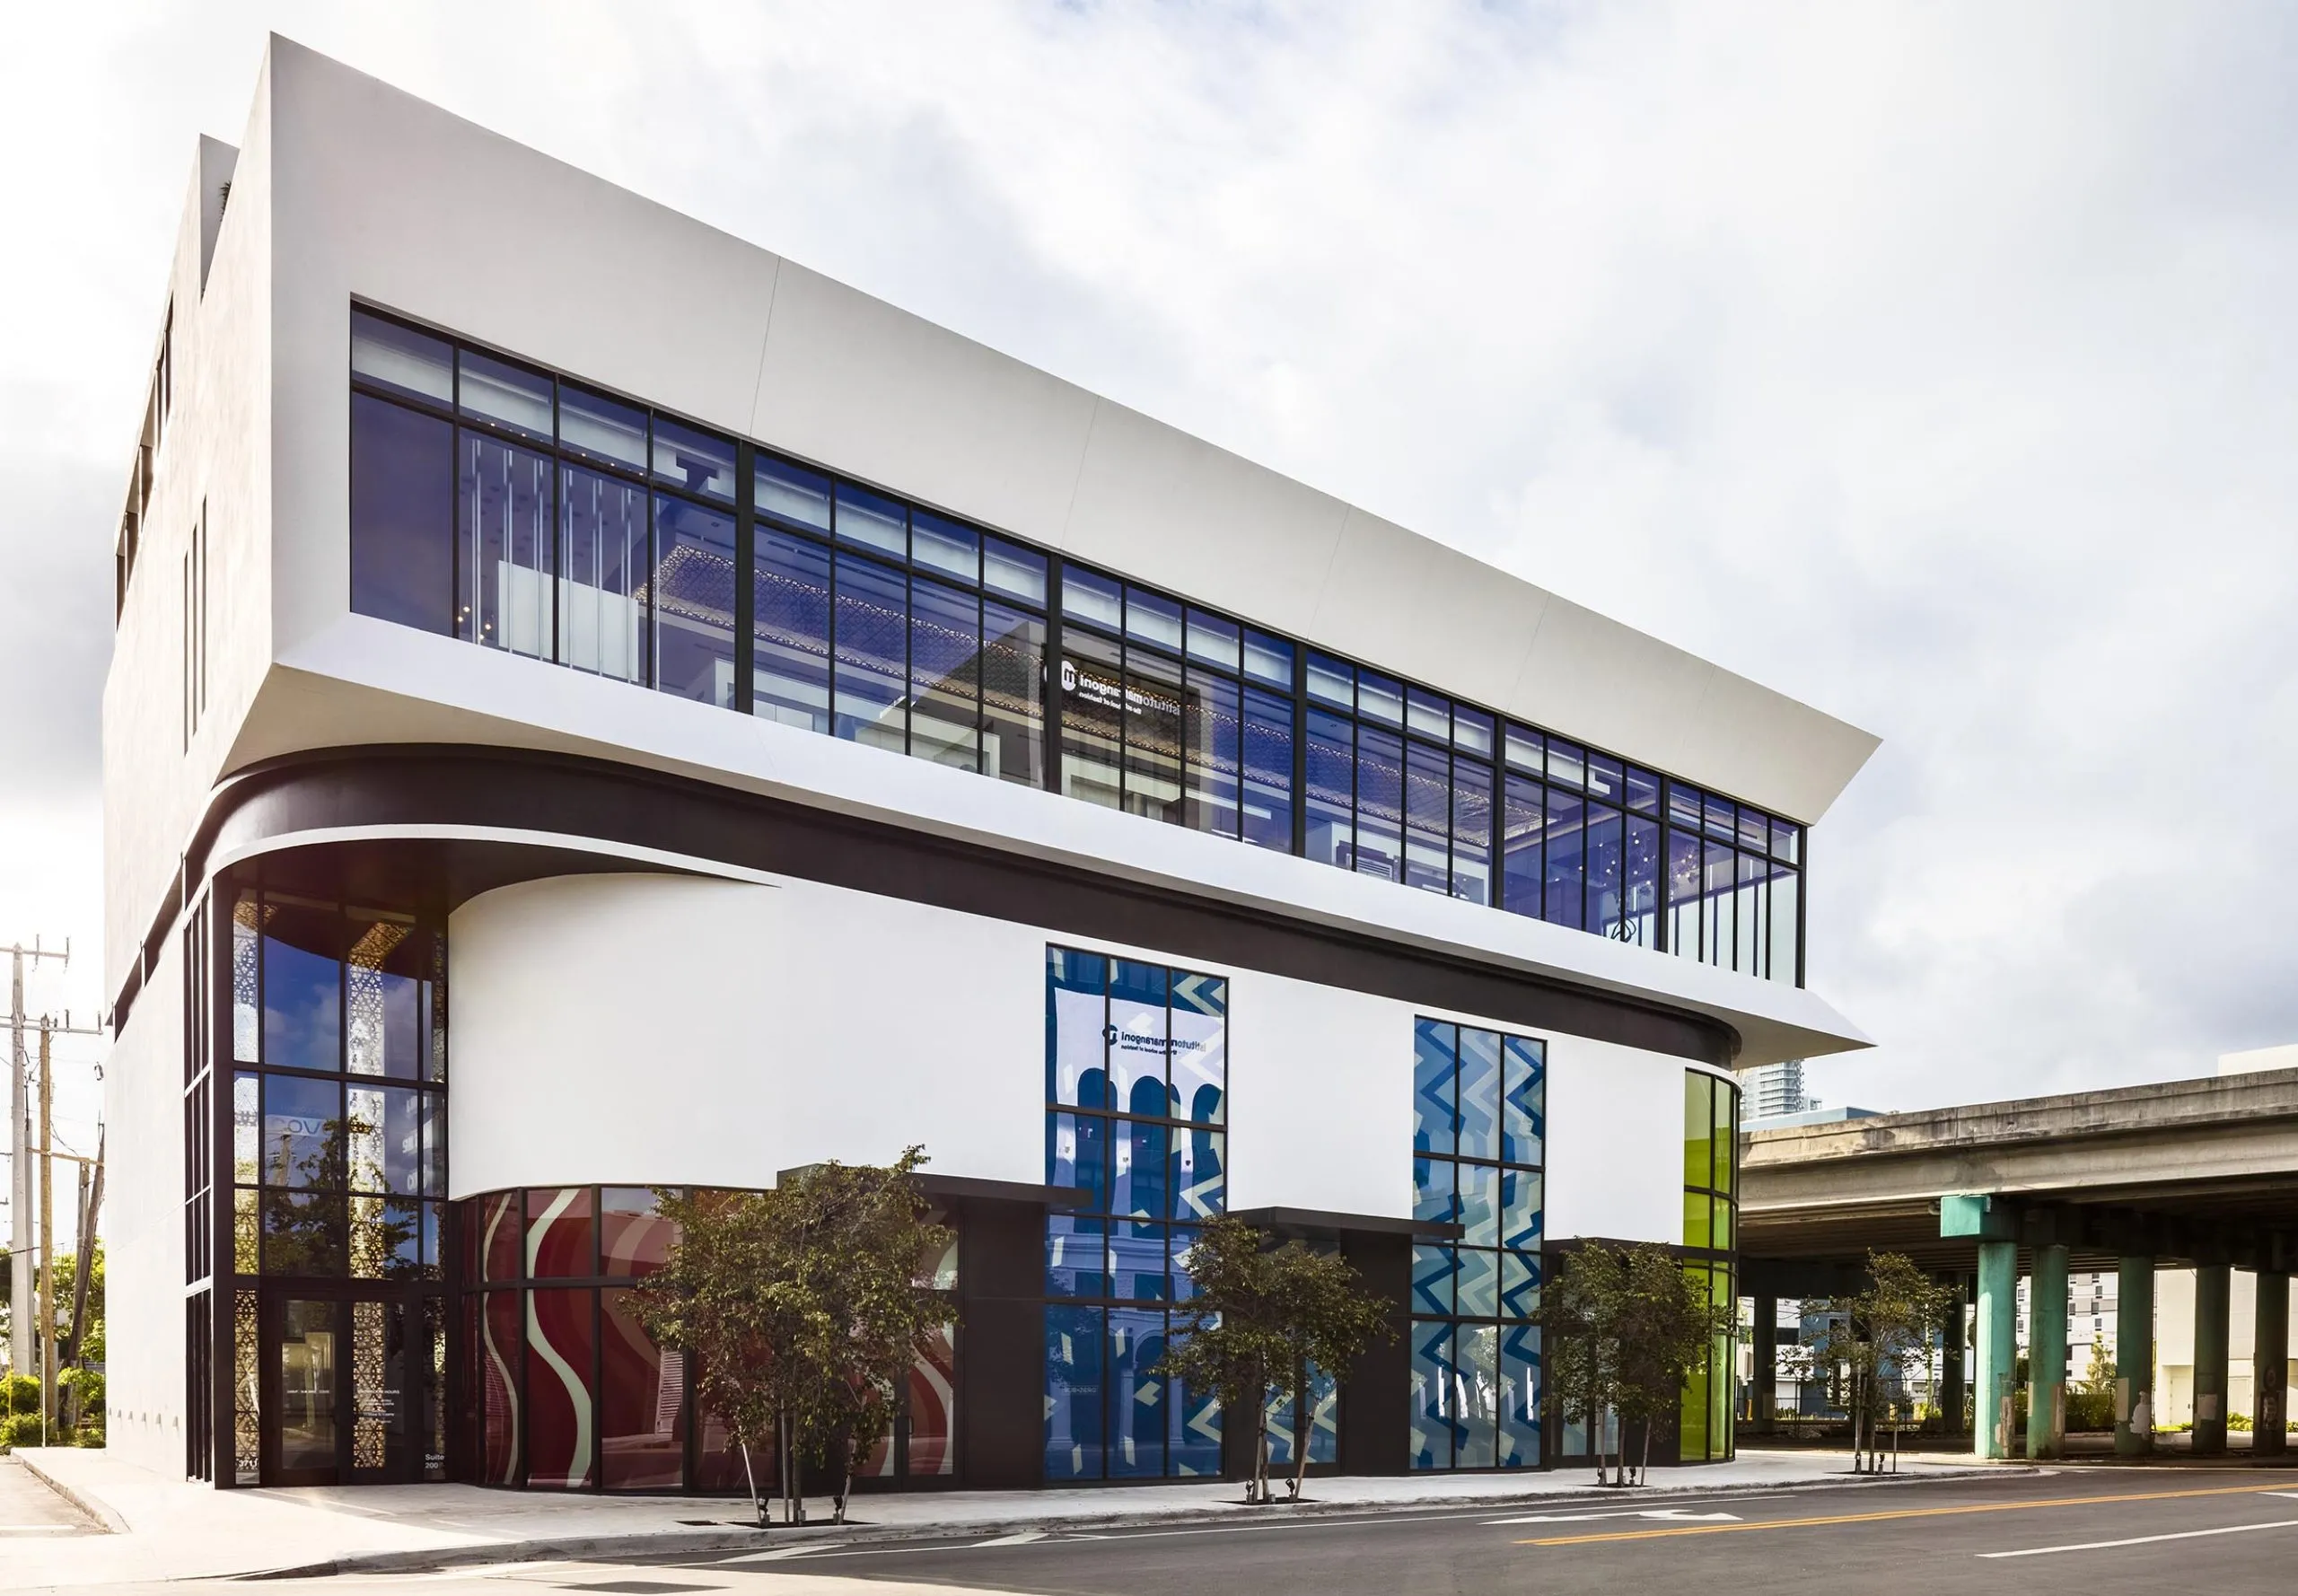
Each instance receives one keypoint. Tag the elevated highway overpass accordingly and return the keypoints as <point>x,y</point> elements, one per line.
<point>2199,1174</point>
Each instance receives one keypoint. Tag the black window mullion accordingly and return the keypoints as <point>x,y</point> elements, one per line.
<point>1055,650</point>
<point>1300,751</point>
<point>745,579</point>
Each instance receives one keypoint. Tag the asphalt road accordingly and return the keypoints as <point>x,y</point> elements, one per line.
<point>2105,1530</point>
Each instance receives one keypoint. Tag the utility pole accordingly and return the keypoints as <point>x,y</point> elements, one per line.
<point>46,1236</point>
<point>92,1202</point>
<point>19,1163</point>
<point>48,1028</point>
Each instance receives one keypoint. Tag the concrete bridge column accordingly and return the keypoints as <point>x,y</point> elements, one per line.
<point>2046,1354</point>
<point>1999,1348</point>
<point>1952,1386</point>
<point>1765,1357</point>
<point>2270,1366</point>
<point>2213,1284</point>
<point>2134,1357</point>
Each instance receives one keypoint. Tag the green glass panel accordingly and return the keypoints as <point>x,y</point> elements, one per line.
<point>1699,1130</point>
<point>1727,1133</point>
<point>1721,1230</point>
<point>1693,1413</point>
<point>1695,1220</point>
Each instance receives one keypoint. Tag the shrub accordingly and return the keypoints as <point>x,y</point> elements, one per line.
<point>2239,1422</point>
<point>20,1393</point>
<point>23,1430</point>
<point>2090,1410</point>
<point>90,1435</point>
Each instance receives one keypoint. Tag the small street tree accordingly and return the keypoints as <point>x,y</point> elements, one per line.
<point>1579,1316</point>
<point>1665,1325</point>
<point>1263,1317</point>
<point>1872,1332</point>
<point>798,1310</point>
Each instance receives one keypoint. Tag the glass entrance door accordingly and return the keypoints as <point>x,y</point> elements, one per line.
<point>306,1379</point>
<point>350,1395</point>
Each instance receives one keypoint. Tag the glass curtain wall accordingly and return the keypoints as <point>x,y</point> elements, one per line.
<point>569,1392</point>
<point>1711,1214</point>
<point>1137,1089</point>
<point>1480,1129</point>
<point>523,511</point>
<point>338,1173</point>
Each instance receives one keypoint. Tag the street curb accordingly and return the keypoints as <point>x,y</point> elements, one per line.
<point>744,1538</point>
<point>110,1521</point>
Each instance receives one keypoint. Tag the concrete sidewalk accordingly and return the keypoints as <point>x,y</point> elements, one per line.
<point>165,1528</point>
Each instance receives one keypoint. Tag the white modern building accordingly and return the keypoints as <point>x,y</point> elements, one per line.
<point>599,706</point>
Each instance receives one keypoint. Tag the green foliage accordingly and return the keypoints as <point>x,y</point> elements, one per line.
<point>800,1309</point>
<point>23,1429</point>
<point>2239,1421</point>
<point>66,1272</point>
<point>2091,1400</point>
<point>21,1393</point>
<point>1623,1329</point>
<point>1887,1326</point>
<point>81,1397</point>
<point>1262,1318</point>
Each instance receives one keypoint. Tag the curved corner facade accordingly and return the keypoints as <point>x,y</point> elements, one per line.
<point>689,721</point>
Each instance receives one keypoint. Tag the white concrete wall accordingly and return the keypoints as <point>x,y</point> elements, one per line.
<point>142,1227</point>
<point>214,457</point>
<point>382,196</point>
<point>2174,1343</point>
<point>661,1028</point>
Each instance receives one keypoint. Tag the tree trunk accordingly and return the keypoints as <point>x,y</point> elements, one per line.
<point>1302,1426</point>
<point>793,1495</point>
<point>845,1478</point>
<point>758,1503</point>
<point>1644,1469</point>
<point>1258,1494</point>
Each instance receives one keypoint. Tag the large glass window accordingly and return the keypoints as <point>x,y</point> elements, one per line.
<point>573,1394</point>
<point>1479,1125</point>
<point>1137,1084</point>
<point>339,1111</point>
<point>520,510</point>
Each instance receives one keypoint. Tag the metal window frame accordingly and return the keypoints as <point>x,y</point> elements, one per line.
<point>1053,760</point>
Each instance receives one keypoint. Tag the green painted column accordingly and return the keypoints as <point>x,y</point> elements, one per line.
<point>2270,1366</point>
<point>2212,1285</point>
<point>2135,1359</point>
<point>2046,1354</point>
<point>1951,1341</point>
<point>1998,1348</point>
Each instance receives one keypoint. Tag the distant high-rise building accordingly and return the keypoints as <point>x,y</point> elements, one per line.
<point>1776,1089</point>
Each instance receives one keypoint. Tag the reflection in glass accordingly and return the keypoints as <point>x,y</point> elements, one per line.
<point>1073,1368</point>
<point>693,592</point>
<point>307,1386</point>
<point>603,557</point>
<point>402,540</point>
<point>560,1337</point>
<point>402,359</point>
<point>505,394</point>
<point>698,462</point>
<point>1012,695</point>
<point>642,1402</point>
<point>872,623</point>
<point>790,588</point>
<point>1092,700</point>
<point>1137,1395</point>
<point>302,1133</point>
<point>505,534</point>
<point>944,675</point>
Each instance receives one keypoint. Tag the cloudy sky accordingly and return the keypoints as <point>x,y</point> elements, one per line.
<point>1931,363</point>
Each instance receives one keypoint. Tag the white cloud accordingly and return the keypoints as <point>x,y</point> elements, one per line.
<point>1934,363</point>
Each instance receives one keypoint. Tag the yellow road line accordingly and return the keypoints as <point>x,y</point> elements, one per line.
<point>1905,1512</point>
